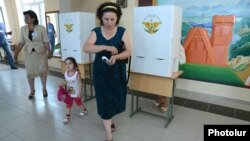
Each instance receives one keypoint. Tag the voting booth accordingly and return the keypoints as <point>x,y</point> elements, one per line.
<point>156,40</point>
<point>75,28</point>
<point>156,45</point>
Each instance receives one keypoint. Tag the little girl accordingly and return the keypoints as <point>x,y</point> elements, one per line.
<point>73,83</point>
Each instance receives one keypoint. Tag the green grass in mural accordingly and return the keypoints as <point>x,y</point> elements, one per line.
<point>215,74</point>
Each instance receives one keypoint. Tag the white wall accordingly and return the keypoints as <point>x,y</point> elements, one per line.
<point>214,89</point>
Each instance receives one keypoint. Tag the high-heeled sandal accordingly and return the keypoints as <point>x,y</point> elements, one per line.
<point>112,127</point>
<point>45,93</point>
<point>31,95</point>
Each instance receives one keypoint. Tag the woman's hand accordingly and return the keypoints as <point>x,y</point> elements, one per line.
<point>112,49</point>
<point>112,60</point>
<point>15,57</point>
<point>49,55</point>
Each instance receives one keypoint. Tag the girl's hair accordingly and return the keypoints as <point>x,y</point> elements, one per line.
<point>32,15</point>
<point>109,7</point>
<point>73,60</point>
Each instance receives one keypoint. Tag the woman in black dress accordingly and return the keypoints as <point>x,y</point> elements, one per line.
<point>111,41</point>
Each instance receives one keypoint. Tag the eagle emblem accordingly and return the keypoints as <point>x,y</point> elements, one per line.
<point>68,25</point>
<point>151,23</point>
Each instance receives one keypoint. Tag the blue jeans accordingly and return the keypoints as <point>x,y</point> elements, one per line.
<point>6,48</point>
<point>52,45</point>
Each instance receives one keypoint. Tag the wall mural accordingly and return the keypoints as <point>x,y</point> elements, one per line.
<point>216,38</point>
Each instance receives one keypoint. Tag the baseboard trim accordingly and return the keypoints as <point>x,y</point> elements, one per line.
<point>214,89</point>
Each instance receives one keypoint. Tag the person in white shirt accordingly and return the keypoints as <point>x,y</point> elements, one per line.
<point>73,85</point>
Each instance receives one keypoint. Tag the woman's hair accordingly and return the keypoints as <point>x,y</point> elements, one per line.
<point>32,15</point>
<point>73,60</point>
<point>109,7</point>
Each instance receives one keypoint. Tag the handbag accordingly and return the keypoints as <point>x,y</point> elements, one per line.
<point>63,95</point>
<point>121,48</point>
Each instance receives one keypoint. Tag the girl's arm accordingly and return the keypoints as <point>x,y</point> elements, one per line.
<point>79,79</point>
<point>64,83</point>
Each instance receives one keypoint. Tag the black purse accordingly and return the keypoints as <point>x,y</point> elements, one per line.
<point>121,48</point>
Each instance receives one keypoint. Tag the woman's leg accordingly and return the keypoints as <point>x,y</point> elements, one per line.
<point>44,80</point>
<point>107,126</point>
<point>32,87</point>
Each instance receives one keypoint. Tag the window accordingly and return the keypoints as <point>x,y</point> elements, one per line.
<point>3,15</point>
<point>35,5</point>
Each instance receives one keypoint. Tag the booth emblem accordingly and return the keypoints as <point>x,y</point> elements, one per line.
<point>151,23</point>
<point>68,24</point>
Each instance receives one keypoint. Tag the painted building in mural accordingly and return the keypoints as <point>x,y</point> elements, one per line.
<point>200,48</point>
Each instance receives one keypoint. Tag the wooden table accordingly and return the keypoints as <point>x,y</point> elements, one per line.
<point>85,70</point>
<point>161,86</point>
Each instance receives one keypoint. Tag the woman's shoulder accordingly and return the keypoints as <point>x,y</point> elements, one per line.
<point>24,27</point>
<point>121,28</point>
<point>96,29</point>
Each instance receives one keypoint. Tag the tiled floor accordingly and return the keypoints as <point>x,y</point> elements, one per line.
<point>41,119</point>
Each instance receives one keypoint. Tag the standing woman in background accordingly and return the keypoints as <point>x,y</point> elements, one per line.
<point>34,39</point>
<point>109,76</point>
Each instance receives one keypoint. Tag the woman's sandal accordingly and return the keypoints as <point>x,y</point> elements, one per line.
<point>32,94</point>
<point>45,93</point>
<point>112,127</point>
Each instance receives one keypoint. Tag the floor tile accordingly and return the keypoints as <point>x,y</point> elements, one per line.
<point>41,119</point>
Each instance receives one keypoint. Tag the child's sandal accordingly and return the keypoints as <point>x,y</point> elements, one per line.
<point>156,104</point>
<point>66,118</point>
<point>163,109</point>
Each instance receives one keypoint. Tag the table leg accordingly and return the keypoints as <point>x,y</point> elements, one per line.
<point>170,115</point>
<point>137,108</point>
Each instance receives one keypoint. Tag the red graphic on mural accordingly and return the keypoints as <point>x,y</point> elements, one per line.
<point>201,49</point>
